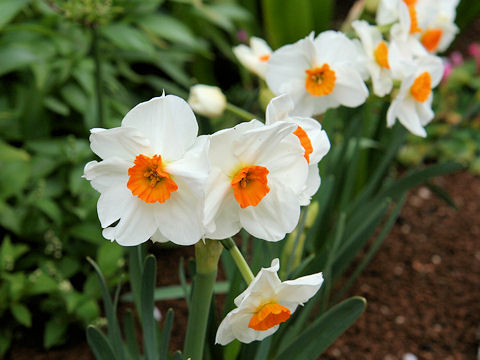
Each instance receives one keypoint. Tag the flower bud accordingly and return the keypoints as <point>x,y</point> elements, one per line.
<point>207,100</point>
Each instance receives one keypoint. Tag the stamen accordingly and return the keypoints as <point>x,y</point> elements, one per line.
<point>148,181</point>
<point>422,87</point>
<point>381,54</point>
<point>431,38</point>
<point>268,316</point>
<point>250,185</point>
<point>305,142</point>
<point>320,81</point>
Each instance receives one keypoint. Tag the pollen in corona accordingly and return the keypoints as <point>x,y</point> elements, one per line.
<point>320,80</point>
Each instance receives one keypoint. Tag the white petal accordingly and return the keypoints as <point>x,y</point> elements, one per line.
<point>278,109</point>
<point>276,215</point>
<point>107,173</point>
<point>224,332</point>
<point>408,116</point>
<point>221,211</point>
<point>179,219</point>
<point>136,225</point>
<point>168,122</point>
<point>300,290</point>
<point>158,237</point>
<point>122,142</point>
<point>311,186</point>
<point>222,145</point>
<point>113,203</point>
<point>289,63</point>
<point>317,136</point>
<point>254,144</point>
<point>349,90</point>
<point>194,166</point>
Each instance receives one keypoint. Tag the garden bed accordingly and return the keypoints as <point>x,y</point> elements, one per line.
<point>422,288</point>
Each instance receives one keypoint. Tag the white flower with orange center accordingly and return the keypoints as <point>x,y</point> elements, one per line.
<point>257,174</point>
<point>265,304</point>
<point>309,132</point>
<point>405,11</point>
<point>376,50</point>
<point>254,57</point>
<point>412,105</point>
<point>319,73</point>
<point>436,19</point>
<point>152,174</point>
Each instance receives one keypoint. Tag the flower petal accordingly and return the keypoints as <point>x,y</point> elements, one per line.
<point>265,221</point>
<point>179,219</point>
<point>122,142</point>
<point>113,203</point>
<point>350,90</point>
<point>168,122</point>
<point>107,173</point>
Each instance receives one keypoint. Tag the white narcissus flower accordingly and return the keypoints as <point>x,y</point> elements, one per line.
<point>319,73</point>
<point>412,104</point>
<point>255,57</point>
<point>376,50</point>
<point>265,304</point>
<point>207,100</point>
<point>436,19</point>
<point>257,174</point>
<point>152,174</point>
<point>313,139</point>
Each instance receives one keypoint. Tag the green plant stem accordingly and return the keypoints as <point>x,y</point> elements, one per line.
<point>240,112</point>
<point>237,256</point>
<point>207,255</point>
<point>98,75</point>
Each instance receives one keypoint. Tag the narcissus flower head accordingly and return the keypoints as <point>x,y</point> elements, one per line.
<point>376,51</point>
<point>319,73</point>
<point>254,57</point>
<point>412,104</point>
<point>257,175</point>
<point>312,138</point>
<point>265,304</point>
<point>152,174</point>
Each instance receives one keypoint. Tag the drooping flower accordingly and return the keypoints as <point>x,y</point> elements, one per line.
<point>265,304</point>
<point>257,174</point>
<point>313,139</point>
<point>376,50</point>
<point>412,104</point>
<point>319,73</point>
<point>254,57</point>
<point>207,100</point>
<point>152,174</point>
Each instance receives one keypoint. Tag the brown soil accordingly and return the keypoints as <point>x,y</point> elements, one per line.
<point>422,287</point>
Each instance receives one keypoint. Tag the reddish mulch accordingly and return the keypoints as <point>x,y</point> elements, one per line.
<point>422,288</point>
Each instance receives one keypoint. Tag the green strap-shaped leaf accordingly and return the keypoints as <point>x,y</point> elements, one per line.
<point>130,337</point>
<point>309,344</point>
<point>166,332</point>
<point>148,321</point>
<point>99,344</point>
<point>10,8</point>
<point>113,328</point>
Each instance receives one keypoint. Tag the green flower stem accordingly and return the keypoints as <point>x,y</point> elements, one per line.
<point>239,112</point>
<point>207,255</point>
<point>237,256</point>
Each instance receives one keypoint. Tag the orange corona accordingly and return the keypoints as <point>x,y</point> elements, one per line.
<point>250,185</point>
<point>320,80</point>
<point>149,181</point>
<point>381,54</point>
<point>268,316</point>
<point>413,20</point>
<point>422,87</point>
<point>431,38</point>
<point>264,58</point>
<point>305,142</point>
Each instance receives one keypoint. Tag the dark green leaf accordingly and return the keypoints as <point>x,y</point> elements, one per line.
<point>22,314</point>
<point>99,344</point>
<point>10,8</point>
<point>309,344</point>
<point>54,333</point>
<point>148,321</point>
<point>166,331</point>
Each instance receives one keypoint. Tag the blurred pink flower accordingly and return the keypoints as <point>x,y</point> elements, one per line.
<point>474,50</point>
<point>456,58</point>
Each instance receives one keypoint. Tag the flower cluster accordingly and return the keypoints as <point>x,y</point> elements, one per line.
<point>397,54</point>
